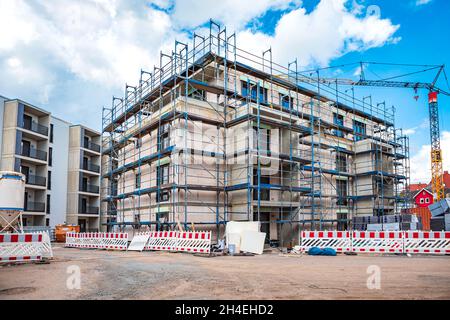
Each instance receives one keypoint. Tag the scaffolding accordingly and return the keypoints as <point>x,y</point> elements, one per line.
<point>216,133</point>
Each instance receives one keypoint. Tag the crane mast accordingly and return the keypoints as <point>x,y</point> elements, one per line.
<point>437,180</point>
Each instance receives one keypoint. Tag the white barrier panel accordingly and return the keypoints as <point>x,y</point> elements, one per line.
<point>108,241</point>
<point>337,240</point>
<point>46,249</point>
<point>20,247</point>
<point>197,241</point>
<point>139,241</point>
<point>377,241</point>
<point>162,241</point>
<point>427,242</point>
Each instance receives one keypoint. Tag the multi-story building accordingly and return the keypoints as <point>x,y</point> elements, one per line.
<point>36,144</point>
<point>213,135</point>
<point>84,178</point>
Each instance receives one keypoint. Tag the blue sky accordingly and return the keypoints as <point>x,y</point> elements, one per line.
<point>70,57</point>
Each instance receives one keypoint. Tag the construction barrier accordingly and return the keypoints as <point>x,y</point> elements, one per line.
<point>196,241</point>
<point>377,241</point>
<point>108,241</point>
<point>47,251</point>
<point>427,242</point>
<point>20,247</point>
<point>337,240</point>
<point>422,242</point>
<point>162,241</point>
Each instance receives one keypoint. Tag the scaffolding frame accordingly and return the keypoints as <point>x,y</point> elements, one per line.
<point>315,150</point>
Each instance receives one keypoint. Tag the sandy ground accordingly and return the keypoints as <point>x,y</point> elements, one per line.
<point>156,275</point>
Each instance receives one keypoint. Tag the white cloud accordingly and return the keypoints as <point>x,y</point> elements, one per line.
<point>235,14</point>
<point>329,31</point>
<point>61,47</point>
<point>422,2</point>
<point>421,161</point>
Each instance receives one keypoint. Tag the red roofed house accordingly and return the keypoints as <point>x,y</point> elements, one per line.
<point>423,198</point>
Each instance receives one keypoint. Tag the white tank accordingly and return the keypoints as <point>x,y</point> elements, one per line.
<point>12,193</point>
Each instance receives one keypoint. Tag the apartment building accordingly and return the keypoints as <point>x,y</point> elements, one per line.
<point>209,138</point>
<point>36,144</point>
<point>84,178</point>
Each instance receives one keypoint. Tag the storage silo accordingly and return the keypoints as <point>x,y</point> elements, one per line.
<point>12,192</point>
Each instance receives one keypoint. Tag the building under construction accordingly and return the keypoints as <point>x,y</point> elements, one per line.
<point>215,134</point>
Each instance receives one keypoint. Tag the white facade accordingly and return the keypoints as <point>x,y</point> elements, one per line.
<point>59,169</point>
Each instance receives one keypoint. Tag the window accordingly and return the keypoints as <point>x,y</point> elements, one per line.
<point>422,200</point>
<point>163,196</point>
<point>162,179</point>
<point>263,139</point>
<point>163,175</point>
<point>265,193</point>
<point>49,181</point>
<point>250,90</point>
<point>137,179</point>
<point>359,130</point>
<point>338,120</point>
<point>341,162</point>
<point>48,204</point>
<point>163,137</point>
<point>51,133</point>
<point>138,143</point>
<point>427,200</point>
<point>341,191</point>
<point>50,156</point>
<point>286,101</point>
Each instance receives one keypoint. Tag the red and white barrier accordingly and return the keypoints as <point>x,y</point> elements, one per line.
<point>337,240</point>
<point>162,241</point>
<point>108,241</point>
<point>20,247</point>
<point>377,241</point>
<point>427,242</point>
<point>197,241</point>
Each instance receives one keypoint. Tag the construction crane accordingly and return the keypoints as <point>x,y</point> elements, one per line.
<point>434,91</point>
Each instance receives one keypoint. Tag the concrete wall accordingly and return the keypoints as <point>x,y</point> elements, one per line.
<point>2,110</point>
<point>59,169</point>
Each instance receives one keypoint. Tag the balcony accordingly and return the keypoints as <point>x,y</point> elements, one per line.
<point>35,127</point>
<point>36,180</point>
<point>34,153</point>
<point>89,166</point>
<point>89,210</point>
<point>91,146</point>
<point>91,188</point>
<point>34,207</point>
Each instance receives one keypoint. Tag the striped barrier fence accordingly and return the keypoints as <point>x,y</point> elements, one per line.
<point>115,241</point>
<point>377,241</point>
<point>162,241</point>
<point>195,241</point>
<point>20,247</point>
<point>427,242</point>
<point>102,240</point>
<point>337,240</point>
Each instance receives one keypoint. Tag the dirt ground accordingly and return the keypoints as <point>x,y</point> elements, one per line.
<point>157,275</point>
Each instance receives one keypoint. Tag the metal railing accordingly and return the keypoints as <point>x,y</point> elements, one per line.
<point>89,166</point>
<point>34,153</point>
<point>36,180</point>
<point>91,188</point>
<point>89,210</point>
<point>91,146</point>
<point>35,207</point>
<point>35,127</point>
